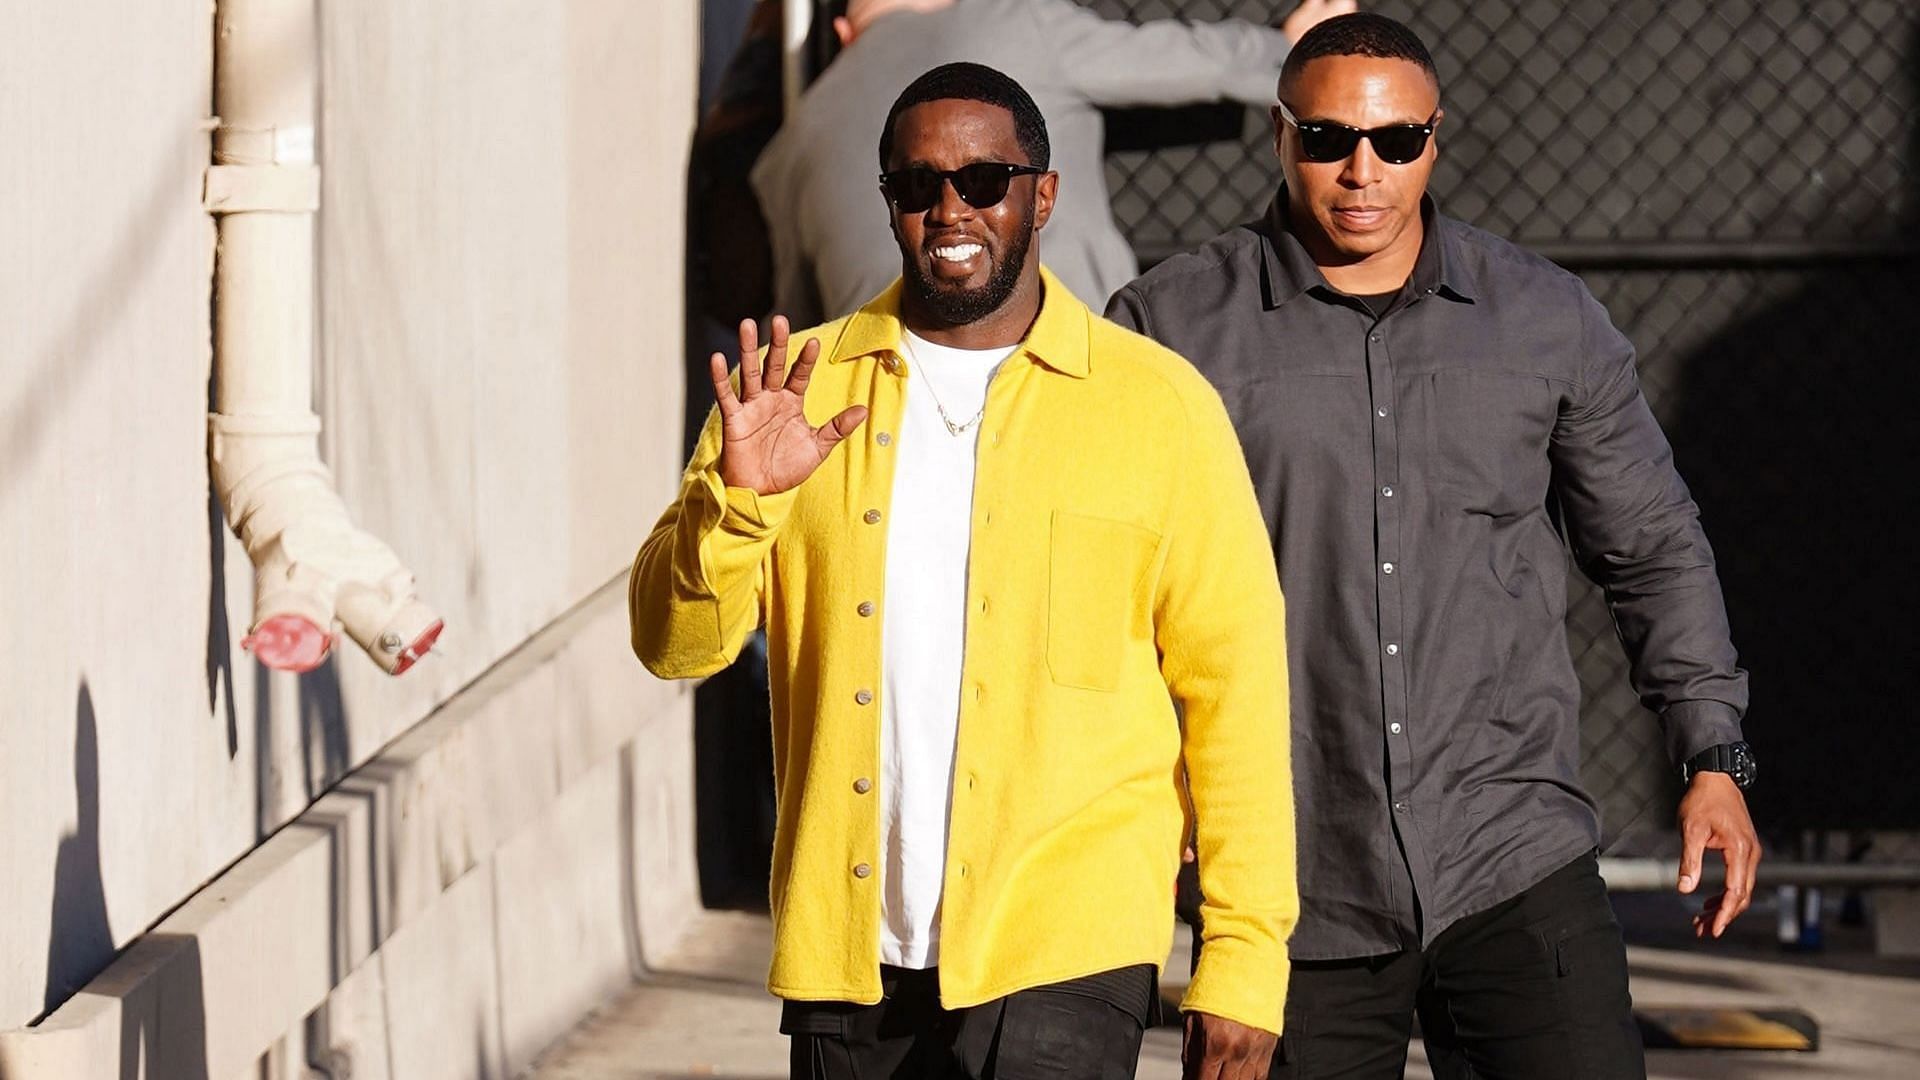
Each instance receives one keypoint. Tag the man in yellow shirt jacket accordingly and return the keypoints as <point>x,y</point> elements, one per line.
<point>1024,628</point>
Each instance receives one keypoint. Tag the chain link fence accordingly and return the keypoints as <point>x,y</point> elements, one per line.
<point>1739,182</point>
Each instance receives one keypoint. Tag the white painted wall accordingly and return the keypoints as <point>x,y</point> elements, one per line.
<point>105,257</point>
<point>500,301</point>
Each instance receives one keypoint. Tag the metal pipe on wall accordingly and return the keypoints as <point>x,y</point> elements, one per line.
<point>312,565</point>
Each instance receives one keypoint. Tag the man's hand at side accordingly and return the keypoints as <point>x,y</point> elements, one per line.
<point>1713,816</point>
<point>1220,1049</point>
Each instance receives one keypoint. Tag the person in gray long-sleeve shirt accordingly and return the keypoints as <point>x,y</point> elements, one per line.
<point>832,250</point>
<point>1432,416</point>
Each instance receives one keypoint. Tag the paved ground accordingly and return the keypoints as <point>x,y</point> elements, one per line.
<point>708,1014</point>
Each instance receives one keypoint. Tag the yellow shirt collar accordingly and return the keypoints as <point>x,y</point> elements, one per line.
<point>1058,339</point>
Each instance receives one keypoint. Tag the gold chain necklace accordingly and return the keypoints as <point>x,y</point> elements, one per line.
<point>953,429</point>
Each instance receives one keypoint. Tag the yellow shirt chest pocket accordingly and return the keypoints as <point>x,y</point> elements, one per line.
<point>1097,571</point>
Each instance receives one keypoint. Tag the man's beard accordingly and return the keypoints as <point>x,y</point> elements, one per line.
<point>959,307</point>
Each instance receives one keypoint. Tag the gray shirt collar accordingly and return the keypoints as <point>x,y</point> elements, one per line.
<point>1288,270</point>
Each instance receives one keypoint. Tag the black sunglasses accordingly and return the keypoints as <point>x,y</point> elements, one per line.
<point>914,189</point>
<point>1324,140</point>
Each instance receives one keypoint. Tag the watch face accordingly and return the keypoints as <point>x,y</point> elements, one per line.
<point>1745,768</point>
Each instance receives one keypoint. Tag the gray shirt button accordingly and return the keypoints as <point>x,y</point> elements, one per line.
<point>864,697</point>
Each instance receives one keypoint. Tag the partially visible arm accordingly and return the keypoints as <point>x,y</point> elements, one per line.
<point>1636,533</point>
<point>694,593</point>
<point>1161,62</point>
<point>1221,629</point>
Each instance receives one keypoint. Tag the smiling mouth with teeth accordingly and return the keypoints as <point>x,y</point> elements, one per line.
<point>957,252</point>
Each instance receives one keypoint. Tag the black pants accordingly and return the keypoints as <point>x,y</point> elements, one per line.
<point>1535,987</point>
<point>1087,1029</point>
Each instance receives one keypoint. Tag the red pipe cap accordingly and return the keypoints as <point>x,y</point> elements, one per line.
<point>411,654</point>
<point>289,643</point>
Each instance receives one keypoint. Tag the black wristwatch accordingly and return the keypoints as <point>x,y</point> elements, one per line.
<point>1735,759</point>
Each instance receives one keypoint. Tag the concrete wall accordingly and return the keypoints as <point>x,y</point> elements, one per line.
<point>106,723</point>
<point>500,255</point>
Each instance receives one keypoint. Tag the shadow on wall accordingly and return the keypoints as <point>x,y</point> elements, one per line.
<point>323,728</point>
<point>482,1061</point>
<point>163,1025</point>
<point>325,756</point>
<point>1795,432</point>
<point>219,630</point>
<point>163,1021</point>
<point>80,940</point>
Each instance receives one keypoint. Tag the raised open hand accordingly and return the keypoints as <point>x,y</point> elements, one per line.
<point>768,446</point>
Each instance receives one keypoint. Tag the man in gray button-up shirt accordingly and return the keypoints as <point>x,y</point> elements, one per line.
<point>832,251</point>
<point>1432,417</point>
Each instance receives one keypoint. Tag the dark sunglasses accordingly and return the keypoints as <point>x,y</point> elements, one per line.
<point>1324,141</point>
<point>916,188</point>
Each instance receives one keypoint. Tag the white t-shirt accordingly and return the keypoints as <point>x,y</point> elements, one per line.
<point>923,636</point>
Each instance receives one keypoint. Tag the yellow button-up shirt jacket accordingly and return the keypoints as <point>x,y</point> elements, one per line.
<point>1124,670</point>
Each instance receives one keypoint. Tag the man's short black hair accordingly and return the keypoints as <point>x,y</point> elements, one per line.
<point>1362,33</point>
<point>973,82</point>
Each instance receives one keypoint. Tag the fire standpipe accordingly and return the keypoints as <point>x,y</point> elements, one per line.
<point>312,565</point>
